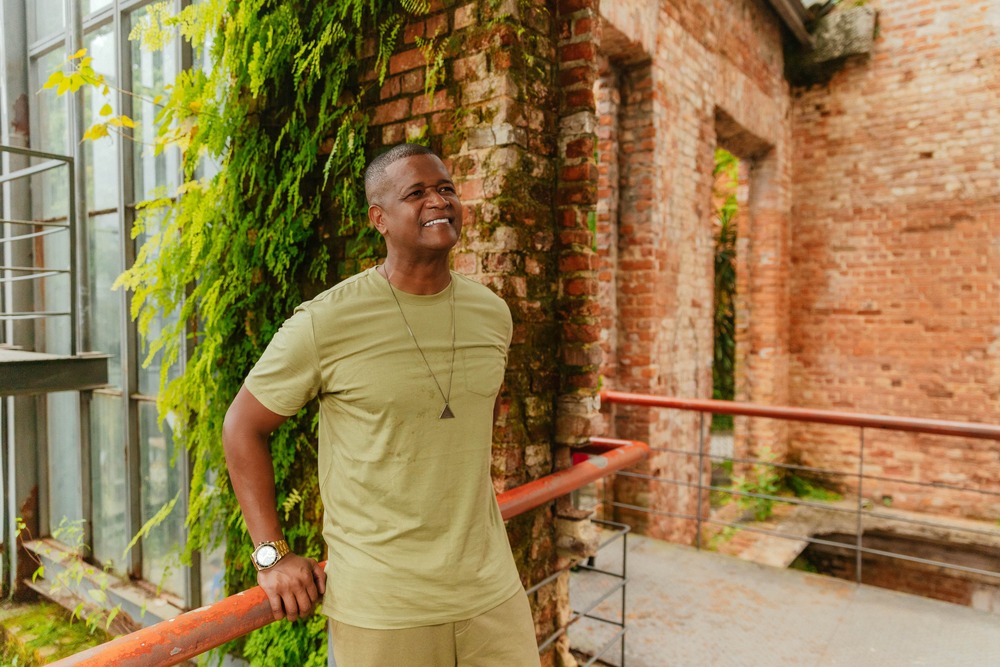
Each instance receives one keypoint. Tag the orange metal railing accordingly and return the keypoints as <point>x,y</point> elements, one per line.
<point>859,419</point>
<point>195,632</point>
<point>860,512</point>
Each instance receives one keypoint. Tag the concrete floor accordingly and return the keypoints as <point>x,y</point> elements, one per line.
<point>689,608</point>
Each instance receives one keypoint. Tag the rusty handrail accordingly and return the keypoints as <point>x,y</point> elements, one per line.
<point>192,633</point>
<point>909,424</point>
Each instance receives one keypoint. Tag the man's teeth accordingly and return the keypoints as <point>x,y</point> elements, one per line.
<point>439,221</point>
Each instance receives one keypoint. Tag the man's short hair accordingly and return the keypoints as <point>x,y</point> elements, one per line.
<point>375,172</point>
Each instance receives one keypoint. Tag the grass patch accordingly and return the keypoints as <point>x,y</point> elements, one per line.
<point>808,490</point>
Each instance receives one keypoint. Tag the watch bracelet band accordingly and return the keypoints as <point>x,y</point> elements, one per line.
<point>281,546</point>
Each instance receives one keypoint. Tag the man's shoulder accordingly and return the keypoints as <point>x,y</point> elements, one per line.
<point>347,292</point>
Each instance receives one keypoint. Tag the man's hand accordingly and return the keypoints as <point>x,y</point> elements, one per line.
<point>293,586</point>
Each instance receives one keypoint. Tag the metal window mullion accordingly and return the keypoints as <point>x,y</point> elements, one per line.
<point>98,18</point>
<point>126,6</point>
<point>192,573</point>
<point>40,415</point>
<point>129,379</point>
<point>79,256</point>
<point>15,80</point>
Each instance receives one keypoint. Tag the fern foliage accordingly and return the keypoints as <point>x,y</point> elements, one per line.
<point>272,130</point>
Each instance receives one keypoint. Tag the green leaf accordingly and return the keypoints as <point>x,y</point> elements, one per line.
<point>98,595</point>
<point>79,54</point>
<point>96,131</point>
<point>111,617</point>
<point>54,79</point>
<point>153,522</point>
<point>106,110</point>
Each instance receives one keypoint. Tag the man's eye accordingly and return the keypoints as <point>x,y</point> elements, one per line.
<point>448,189</point>
<point>415,193</point>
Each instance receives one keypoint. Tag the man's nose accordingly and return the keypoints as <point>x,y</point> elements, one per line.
<point>437,200</point>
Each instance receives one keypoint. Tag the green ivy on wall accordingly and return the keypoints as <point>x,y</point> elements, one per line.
<point>279,110</point>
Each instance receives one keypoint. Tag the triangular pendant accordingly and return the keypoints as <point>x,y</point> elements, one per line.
<point>447,413</point>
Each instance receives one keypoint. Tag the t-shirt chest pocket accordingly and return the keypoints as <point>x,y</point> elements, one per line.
<point>484,369</point>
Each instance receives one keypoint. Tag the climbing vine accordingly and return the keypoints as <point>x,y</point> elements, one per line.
<point>272,134</point>
<point>726,175</point>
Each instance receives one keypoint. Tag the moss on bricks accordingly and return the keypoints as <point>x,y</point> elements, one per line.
<point>41,632</point>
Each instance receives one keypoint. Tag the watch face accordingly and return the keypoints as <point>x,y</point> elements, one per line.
<point>266,556</point>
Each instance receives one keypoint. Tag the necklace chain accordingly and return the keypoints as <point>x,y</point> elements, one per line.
<point>446,413</point>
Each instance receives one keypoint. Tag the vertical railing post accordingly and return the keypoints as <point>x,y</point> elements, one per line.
<point>859,539</point>
<point>701,469</point>
<point>624,591</point>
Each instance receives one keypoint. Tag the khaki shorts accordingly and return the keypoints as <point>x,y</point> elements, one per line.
<point>501,637</point>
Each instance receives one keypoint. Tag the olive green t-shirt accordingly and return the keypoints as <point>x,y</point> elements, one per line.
<point>411,522</point>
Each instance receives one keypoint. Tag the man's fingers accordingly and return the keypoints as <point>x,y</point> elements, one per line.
<point>293,587</point>
<point>311,592</point>
<point>319,575</point>
<point>291,608</point>
<point>305,605</point>
<point>276,607</point>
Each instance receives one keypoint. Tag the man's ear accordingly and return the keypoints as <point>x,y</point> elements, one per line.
<point>376,217</point>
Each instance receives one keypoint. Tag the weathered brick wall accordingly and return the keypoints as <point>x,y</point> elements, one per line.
<point>685,76</point>
<point>895,274</point>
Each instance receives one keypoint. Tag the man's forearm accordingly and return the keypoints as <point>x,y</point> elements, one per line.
<point>251,472</point>
<point>245,433</point>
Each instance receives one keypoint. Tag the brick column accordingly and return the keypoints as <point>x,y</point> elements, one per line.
<point>576,209</point>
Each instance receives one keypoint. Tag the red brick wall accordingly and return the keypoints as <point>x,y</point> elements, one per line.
<point>690,75</point>
<point>895,274</point>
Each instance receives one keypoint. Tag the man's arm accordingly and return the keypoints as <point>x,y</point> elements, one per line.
<point>294,584</point>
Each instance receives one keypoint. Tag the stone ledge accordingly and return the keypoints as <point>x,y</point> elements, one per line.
<point>838,36</point>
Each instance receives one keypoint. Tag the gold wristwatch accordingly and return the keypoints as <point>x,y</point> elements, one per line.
<point>267,554</point>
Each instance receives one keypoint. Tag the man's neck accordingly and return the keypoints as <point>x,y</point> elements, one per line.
<point>416,278</point>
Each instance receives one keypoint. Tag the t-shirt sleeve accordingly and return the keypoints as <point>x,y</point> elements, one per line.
<point>287,375</point>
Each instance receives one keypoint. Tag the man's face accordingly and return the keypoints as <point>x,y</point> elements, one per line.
<point>418,211</point>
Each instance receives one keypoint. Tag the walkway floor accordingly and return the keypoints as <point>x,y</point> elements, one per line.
<point>687,608</point>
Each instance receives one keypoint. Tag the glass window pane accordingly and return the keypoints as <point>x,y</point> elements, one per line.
<point>149,375</point>
<point>90,6</point>
<point>49,17</point>
<point>65,466</point>
<point>213,574</point>
<point>213,560</point>
<point>102,154</point>
<point>105,265</point>
<point>161,481</point>
<point>51,187</point>
<point>109,480</point>
<point>154,175</point>
<point>151,72</point>
<point>54,294</point>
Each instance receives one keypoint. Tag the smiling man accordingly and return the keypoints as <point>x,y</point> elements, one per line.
<point>406,360</point>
